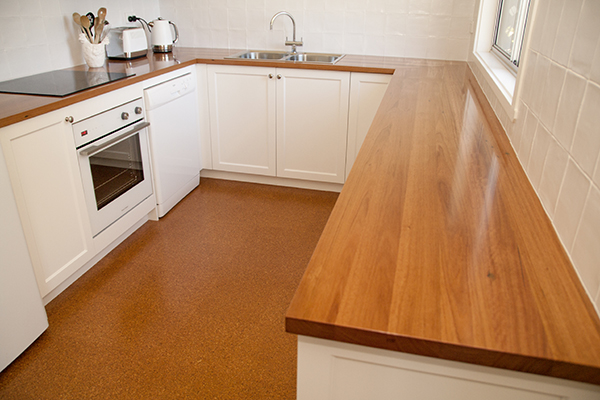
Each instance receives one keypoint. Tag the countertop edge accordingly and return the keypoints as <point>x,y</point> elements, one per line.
<point>446,351</point>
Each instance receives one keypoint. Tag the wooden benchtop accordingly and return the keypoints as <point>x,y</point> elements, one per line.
<point>15,107</point>
<point>439,246</point>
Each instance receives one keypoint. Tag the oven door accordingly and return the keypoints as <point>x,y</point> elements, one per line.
<point>116,175</point>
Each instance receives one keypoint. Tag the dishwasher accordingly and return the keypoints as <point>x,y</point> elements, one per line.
<point>174,133</point>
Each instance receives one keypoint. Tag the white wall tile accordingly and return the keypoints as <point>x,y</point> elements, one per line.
<point>571,201</point>
<point>539,150</point>
<point>552,20</point>
<point>568,109</point>
<point>586,251</point>
<point>553,87</point>
<point>595,72</point>
<point>527,136</point>
<point>539,83</point>
<point>537,26</point>
<point>565,31</point>
<point>586,145</point>
<point>586,38</point>
<point>528,88</point>
<point>552,176</point>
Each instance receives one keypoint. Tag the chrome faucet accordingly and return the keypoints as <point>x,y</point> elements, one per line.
<point>292,43</point>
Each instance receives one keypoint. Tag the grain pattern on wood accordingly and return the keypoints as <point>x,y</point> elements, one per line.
<point>439,246</point>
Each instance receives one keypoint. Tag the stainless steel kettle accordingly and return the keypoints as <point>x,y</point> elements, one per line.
<point>162,37</point>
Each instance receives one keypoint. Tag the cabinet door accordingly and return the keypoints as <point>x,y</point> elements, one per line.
<point>44,172</point>
<point>242,118</point>
<point>312,115</point>
<point>366,93</point>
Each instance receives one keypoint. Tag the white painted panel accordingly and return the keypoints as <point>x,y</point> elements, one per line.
<point>242,119</point>
<point>312,112</point>
<point>366,93</point>
<point>329,370</point>
<point>50,198</point>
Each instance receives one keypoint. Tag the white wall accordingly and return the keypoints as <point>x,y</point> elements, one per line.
<point>557,130</point>
<point>438,29</point>
<point>40,35</point>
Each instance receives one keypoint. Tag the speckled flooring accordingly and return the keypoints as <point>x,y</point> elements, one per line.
<point>191,306</point>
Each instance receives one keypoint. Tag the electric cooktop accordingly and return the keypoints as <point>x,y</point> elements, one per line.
<point>60,83</point>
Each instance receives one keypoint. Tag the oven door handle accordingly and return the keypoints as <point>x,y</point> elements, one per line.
<point>95,149</point>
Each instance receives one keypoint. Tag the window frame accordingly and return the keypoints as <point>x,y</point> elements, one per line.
<point>511,60</point>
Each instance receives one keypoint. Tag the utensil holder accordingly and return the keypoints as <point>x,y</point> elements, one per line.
<point>94,54</point>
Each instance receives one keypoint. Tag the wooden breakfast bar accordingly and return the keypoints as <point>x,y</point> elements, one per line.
<point>438,246</point>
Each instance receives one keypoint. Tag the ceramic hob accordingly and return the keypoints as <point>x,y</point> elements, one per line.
<point>60,83</point>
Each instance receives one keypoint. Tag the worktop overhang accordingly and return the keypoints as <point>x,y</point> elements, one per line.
<point>439,246</point>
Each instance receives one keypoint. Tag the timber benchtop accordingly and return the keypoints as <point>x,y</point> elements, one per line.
<point>438,244</point>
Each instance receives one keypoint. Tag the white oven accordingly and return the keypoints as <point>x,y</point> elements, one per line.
<point>114,162</point>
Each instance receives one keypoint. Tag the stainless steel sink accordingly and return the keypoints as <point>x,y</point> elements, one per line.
<point>260,55</point>
<point>298,57</point>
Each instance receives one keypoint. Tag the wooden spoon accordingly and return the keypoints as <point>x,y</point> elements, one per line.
<point>85,24</point>
<point>99,27</point>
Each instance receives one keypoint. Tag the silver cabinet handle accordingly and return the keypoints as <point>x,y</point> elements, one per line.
<point>95,149</point>
<point>278,76</point>
<point>69,119</point>
<point>270,76</point>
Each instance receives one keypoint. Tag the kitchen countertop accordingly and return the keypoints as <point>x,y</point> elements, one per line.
<point>438,245</point>
<point>15,107</point>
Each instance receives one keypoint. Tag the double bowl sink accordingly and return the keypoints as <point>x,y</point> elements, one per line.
<point>282,56</point>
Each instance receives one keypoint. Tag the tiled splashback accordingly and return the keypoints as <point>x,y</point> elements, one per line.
<point>557,131</point>
<point>438,29</point>
<point>40,35</point>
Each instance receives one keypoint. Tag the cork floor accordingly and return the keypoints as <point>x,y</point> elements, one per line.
<point>190,307</point>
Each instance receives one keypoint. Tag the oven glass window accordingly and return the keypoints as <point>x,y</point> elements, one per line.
<point>116,169</point>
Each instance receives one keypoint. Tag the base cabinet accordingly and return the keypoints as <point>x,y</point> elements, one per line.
<point>45,177</point>
<point>366,93</point>
<point>242,119</point>
<point>279,122</point>
<point>329,370</point>
<point>312,124</point>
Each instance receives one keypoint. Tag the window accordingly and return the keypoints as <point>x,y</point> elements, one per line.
<point>509,30</point>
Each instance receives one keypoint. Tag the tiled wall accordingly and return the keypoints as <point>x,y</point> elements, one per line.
<point>557,130</point>
<point>40,35</point>
<point>438,29</point>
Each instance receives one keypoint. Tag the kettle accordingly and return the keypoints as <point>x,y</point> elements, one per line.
<point>162,37</point>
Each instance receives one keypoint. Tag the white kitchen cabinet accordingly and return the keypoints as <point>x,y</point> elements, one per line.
<point>242,119</point>
<point>44,173</point>
<point>333,370</point>
<point>366,93</point>
<point>279,122</point>
<point>312,118</point>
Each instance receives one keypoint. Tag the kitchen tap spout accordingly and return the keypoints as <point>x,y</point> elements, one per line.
<point>293,42</point>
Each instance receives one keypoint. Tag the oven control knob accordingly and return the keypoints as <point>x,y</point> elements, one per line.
<point>125,115</point>
<point>138,110</point>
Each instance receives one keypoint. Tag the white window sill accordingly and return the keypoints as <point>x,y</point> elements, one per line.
<point>500,78</point>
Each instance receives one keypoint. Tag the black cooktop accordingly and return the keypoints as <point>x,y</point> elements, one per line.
<point>60,83</point>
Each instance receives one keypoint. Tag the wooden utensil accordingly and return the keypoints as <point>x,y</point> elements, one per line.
<point>85,24</point>
<point>99,24</point>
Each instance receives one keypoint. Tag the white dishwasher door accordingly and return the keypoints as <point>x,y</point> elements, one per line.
<point>172,110</point>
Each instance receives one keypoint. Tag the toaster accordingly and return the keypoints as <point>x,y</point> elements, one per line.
<point>126,43</point>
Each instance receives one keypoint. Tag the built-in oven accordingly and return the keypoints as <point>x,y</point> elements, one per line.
<point>114,162</point>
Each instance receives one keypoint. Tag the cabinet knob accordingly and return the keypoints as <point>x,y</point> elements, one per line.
<point>125,116</point>
<point>270,76</point>
<point>69,119</point>
<point>138,110</point>
<point>278,76</point>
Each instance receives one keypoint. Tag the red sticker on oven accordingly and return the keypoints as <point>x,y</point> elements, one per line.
<point>84,133</point>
